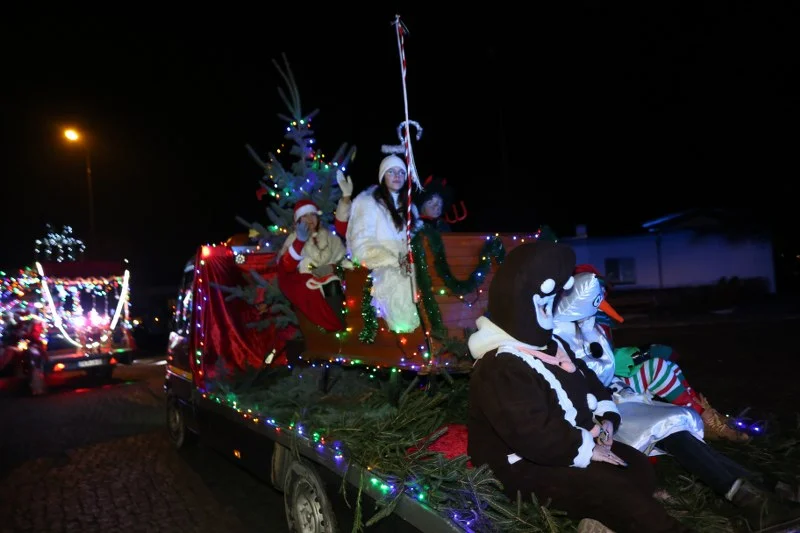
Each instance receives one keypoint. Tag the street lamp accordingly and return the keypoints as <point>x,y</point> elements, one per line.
<point>74,137</point>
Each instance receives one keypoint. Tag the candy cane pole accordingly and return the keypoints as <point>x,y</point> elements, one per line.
<point>412,169</point>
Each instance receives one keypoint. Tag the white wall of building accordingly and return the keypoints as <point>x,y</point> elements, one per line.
<point>686,259</point>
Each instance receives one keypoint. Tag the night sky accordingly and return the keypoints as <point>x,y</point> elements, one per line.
<point>604,116</point>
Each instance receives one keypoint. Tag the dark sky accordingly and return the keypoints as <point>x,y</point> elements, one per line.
<point>606,116</point>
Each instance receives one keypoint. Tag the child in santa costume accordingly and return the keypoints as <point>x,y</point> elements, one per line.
<point>308,258</point>
<point>376,237</point>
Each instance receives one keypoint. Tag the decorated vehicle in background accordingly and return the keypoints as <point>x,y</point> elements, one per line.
<point>81,309</point>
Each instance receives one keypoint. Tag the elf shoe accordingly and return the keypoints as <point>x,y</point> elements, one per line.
<point>716,425</point>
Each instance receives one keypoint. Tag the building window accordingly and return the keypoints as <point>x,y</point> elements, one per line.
<point>621,271</point>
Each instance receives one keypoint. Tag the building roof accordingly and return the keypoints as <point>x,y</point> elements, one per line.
<point>743,221</point>
<point>689,219</point>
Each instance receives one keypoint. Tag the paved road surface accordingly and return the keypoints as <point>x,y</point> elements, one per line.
<point>90,458</point>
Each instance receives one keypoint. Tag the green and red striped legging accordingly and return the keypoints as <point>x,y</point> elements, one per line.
<point>664,379</point>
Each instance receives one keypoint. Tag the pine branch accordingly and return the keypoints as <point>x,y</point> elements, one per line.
<point>258,160</point>
<point>288,78</point>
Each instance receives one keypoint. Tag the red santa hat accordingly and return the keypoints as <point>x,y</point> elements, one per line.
<point>304,207</point>
<point>587,268</point>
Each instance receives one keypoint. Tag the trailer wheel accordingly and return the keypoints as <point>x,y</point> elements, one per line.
<point>179,434</point>
<point>308,509</point>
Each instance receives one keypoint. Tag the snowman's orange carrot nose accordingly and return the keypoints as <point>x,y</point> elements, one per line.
<point>607,309</point>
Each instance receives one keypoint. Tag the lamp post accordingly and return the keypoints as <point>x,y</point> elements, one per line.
<point>73,136</point>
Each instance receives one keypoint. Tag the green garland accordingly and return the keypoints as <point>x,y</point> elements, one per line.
<point>370,329</point>
<point>425,284</point>
<point>492,249</point>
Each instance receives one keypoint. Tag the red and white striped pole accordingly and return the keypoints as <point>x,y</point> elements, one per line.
<point>412,169</point>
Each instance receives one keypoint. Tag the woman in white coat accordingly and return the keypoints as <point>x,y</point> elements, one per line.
<point>376,238</point>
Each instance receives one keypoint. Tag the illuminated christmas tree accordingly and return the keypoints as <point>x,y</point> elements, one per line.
<point>310,176</point>
<point>59,247</point>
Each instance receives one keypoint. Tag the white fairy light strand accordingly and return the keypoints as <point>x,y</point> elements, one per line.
<point>57,318</point>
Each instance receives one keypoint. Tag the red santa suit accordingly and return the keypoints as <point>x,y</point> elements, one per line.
<point>298,258</point>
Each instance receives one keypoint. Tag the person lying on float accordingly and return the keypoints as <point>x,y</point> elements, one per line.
<point>658,427</point>
<point>309,256</point>
<point>643,373</point>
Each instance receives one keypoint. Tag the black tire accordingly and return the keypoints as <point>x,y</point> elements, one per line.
<point>179,434</point>
<point>308,509</point>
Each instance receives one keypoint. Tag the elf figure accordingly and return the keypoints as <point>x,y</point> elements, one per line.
<point>307,261</point>
<point>656,427</point>
<point>640,371</point>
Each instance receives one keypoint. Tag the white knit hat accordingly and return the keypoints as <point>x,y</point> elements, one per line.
<point>388,162</point>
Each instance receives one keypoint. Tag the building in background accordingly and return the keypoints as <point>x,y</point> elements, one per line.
<point>716,249</point>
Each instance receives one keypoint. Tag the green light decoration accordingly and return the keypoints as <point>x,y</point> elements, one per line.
<point>368,314</point>
<point>355,423</point>
<point>493,249</point>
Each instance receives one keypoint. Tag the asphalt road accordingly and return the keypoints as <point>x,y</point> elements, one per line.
<point>90,457</point>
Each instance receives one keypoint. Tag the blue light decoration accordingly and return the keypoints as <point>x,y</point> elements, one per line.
<point>746,424</point>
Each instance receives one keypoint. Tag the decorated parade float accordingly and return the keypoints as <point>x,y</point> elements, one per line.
<point>360,426</point>
<point>65,313</point>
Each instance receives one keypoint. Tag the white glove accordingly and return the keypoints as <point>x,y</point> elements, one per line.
<point>345,184</point>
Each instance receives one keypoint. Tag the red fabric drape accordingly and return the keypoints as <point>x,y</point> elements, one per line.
<point>222,326</point>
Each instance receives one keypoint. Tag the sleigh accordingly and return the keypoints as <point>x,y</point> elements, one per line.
<point>454,271</point>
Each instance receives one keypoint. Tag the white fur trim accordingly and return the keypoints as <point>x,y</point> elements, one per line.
<point>294,254</point>
<point>591,400</point>
<point>314,284</point>
<point>305,210</point>
<point>570,413</point>
<point>584,454</point>
<point>605,406</point>
<point>489,337</point>
<point>585,450</point>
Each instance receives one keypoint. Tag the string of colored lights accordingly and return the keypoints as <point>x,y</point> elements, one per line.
<point>58,322</point>
<point>323,445</point>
